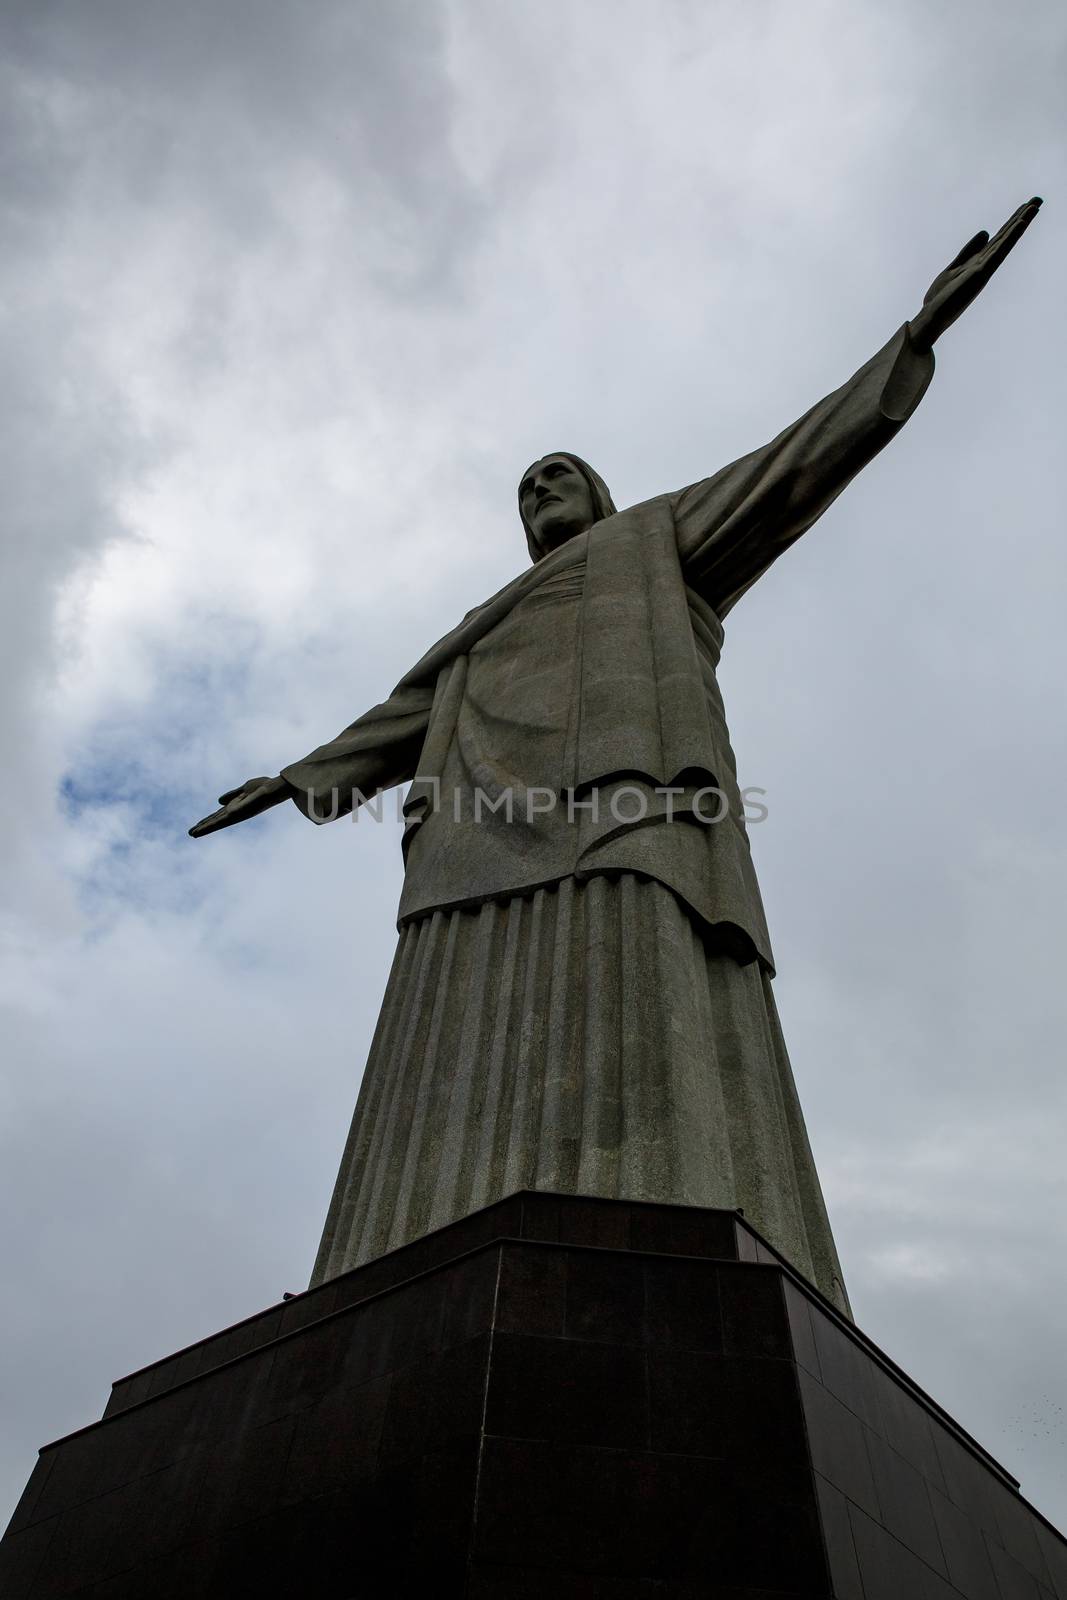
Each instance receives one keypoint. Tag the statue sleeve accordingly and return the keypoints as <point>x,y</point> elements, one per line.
<point>731,527</point>
<point>384,747</point>
<point>376,752</point>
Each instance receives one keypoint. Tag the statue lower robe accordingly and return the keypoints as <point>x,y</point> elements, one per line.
<point>579,1002</point>
<point>580,1039</point>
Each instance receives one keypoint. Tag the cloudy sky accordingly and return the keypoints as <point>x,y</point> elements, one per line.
<point>291,294</point>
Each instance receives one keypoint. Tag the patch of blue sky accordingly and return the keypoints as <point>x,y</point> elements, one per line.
<point>136,783</point>
<point>136,815</point>
<point>142,761</point>
<point>156,806</point>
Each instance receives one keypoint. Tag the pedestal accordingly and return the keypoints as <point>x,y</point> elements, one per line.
<point>555,1397</point>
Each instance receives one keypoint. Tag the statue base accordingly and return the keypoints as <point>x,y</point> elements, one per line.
<point>555,1397</point>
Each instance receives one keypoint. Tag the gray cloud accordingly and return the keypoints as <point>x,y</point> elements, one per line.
<point>295,293</point>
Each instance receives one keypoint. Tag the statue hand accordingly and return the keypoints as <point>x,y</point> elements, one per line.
<point>965,277</point>
<point>257,795</point>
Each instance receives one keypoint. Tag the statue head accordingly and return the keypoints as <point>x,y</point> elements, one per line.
<point>560,496</point>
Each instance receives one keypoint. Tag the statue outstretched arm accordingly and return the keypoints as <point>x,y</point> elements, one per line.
<point>731,527</point>
<point>377,751</point>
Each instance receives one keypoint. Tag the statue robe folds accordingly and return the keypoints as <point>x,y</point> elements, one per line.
<point>581,994</point>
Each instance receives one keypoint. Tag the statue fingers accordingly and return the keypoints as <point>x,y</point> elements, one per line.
<point>242,788</point>
<point>1016,224</point>
<point>207,824</point>
<point>1008,237</point>
<point>971,248</point>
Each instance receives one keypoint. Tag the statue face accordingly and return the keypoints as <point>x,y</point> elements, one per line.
<point>556,501</point>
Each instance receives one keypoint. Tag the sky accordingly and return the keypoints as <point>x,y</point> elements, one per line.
<point>289,297</point>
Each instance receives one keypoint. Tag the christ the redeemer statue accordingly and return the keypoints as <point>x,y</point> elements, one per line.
<point>581,996</point>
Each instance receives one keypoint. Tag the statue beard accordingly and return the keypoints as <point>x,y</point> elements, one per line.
<point>554,534</point>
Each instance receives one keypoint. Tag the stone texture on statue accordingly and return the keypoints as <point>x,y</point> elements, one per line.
<point>584,1039</point>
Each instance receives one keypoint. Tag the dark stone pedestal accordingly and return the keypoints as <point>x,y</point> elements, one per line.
<point>556,1398</point>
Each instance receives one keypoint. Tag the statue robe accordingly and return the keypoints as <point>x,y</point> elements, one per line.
<point>581,998</point>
